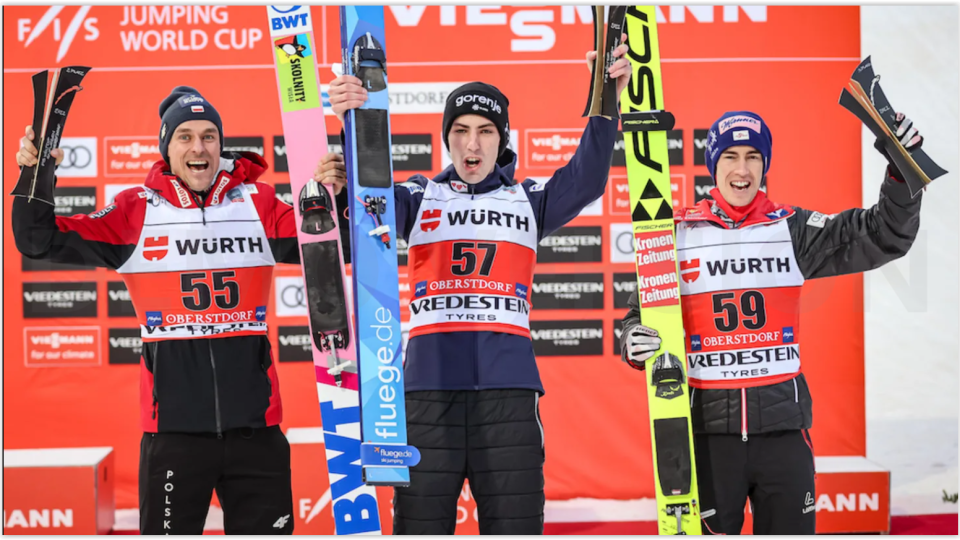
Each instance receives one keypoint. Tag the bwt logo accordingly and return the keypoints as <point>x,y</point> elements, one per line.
<point>288,21</point>
<point>520,291</point>
<point>788,334</point>
<point>421,289</point>
<point>261,313</point>
<point>695,344</point>
<point>154,318</point>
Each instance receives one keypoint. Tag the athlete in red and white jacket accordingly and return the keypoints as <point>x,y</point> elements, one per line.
<point>470,374</point>
<point>743,260</point>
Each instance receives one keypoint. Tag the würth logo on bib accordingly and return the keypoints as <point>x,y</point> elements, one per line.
<point>430,220</point>
<point>155,248</point>
<point>690,270</point>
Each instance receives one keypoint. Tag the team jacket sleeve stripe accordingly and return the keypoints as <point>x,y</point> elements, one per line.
<point>105,241</point>
<point>579,182</point>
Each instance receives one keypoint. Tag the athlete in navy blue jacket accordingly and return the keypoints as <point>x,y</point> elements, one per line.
<point>472,385</point>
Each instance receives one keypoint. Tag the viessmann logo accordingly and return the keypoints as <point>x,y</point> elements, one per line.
<point>534,29</point>
<point>556,142</point>
<point>38,518</point>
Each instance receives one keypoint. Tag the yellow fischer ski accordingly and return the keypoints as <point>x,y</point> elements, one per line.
<point>648,172</point>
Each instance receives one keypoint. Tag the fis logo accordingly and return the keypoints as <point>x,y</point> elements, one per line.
<point>421,289</point>
<point>788,334</point>
<point>430,220</point>
<point>695,343</point>
<point>154,318</point>
<point>261,313</point>
<point>520,290</point>
<point>777,214</point>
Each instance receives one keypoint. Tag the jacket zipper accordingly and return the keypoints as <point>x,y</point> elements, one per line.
<point>216,393</point>
<point>156,402</point>
<point>743,414</point>
<point>536,414</point>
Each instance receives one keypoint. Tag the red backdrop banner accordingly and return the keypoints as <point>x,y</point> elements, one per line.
<point>70,374</point>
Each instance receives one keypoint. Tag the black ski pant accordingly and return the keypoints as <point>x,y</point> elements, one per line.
<point>248,468</point>
<point>494,439</point>
<point>774,470</point>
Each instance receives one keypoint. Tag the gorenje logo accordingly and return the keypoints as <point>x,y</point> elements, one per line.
<point>480,102</point>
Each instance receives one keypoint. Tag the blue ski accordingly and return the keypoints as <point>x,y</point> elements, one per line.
<point>385,456</point>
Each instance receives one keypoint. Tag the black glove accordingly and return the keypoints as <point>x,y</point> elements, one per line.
<point>908,136</point>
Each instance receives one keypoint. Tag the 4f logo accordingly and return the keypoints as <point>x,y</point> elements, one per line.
<point>29,30</point>
<point>430,220</point>
<point>282,522</point>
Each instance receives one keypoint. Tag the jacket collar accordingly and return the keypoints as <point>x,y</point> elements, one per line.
<point>502,175</point>
<point>763,212</point>
<point>235,169</point>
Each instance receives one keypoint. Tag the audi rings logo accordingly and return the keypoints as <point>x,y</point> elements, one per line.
<point>79,157</point>
<point>76,157</point>
<point>621,243</point>
<point>292,296</point>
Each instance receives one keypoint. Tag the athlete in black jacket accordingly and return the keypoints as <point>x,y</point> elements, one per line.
<point>751,407</point>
